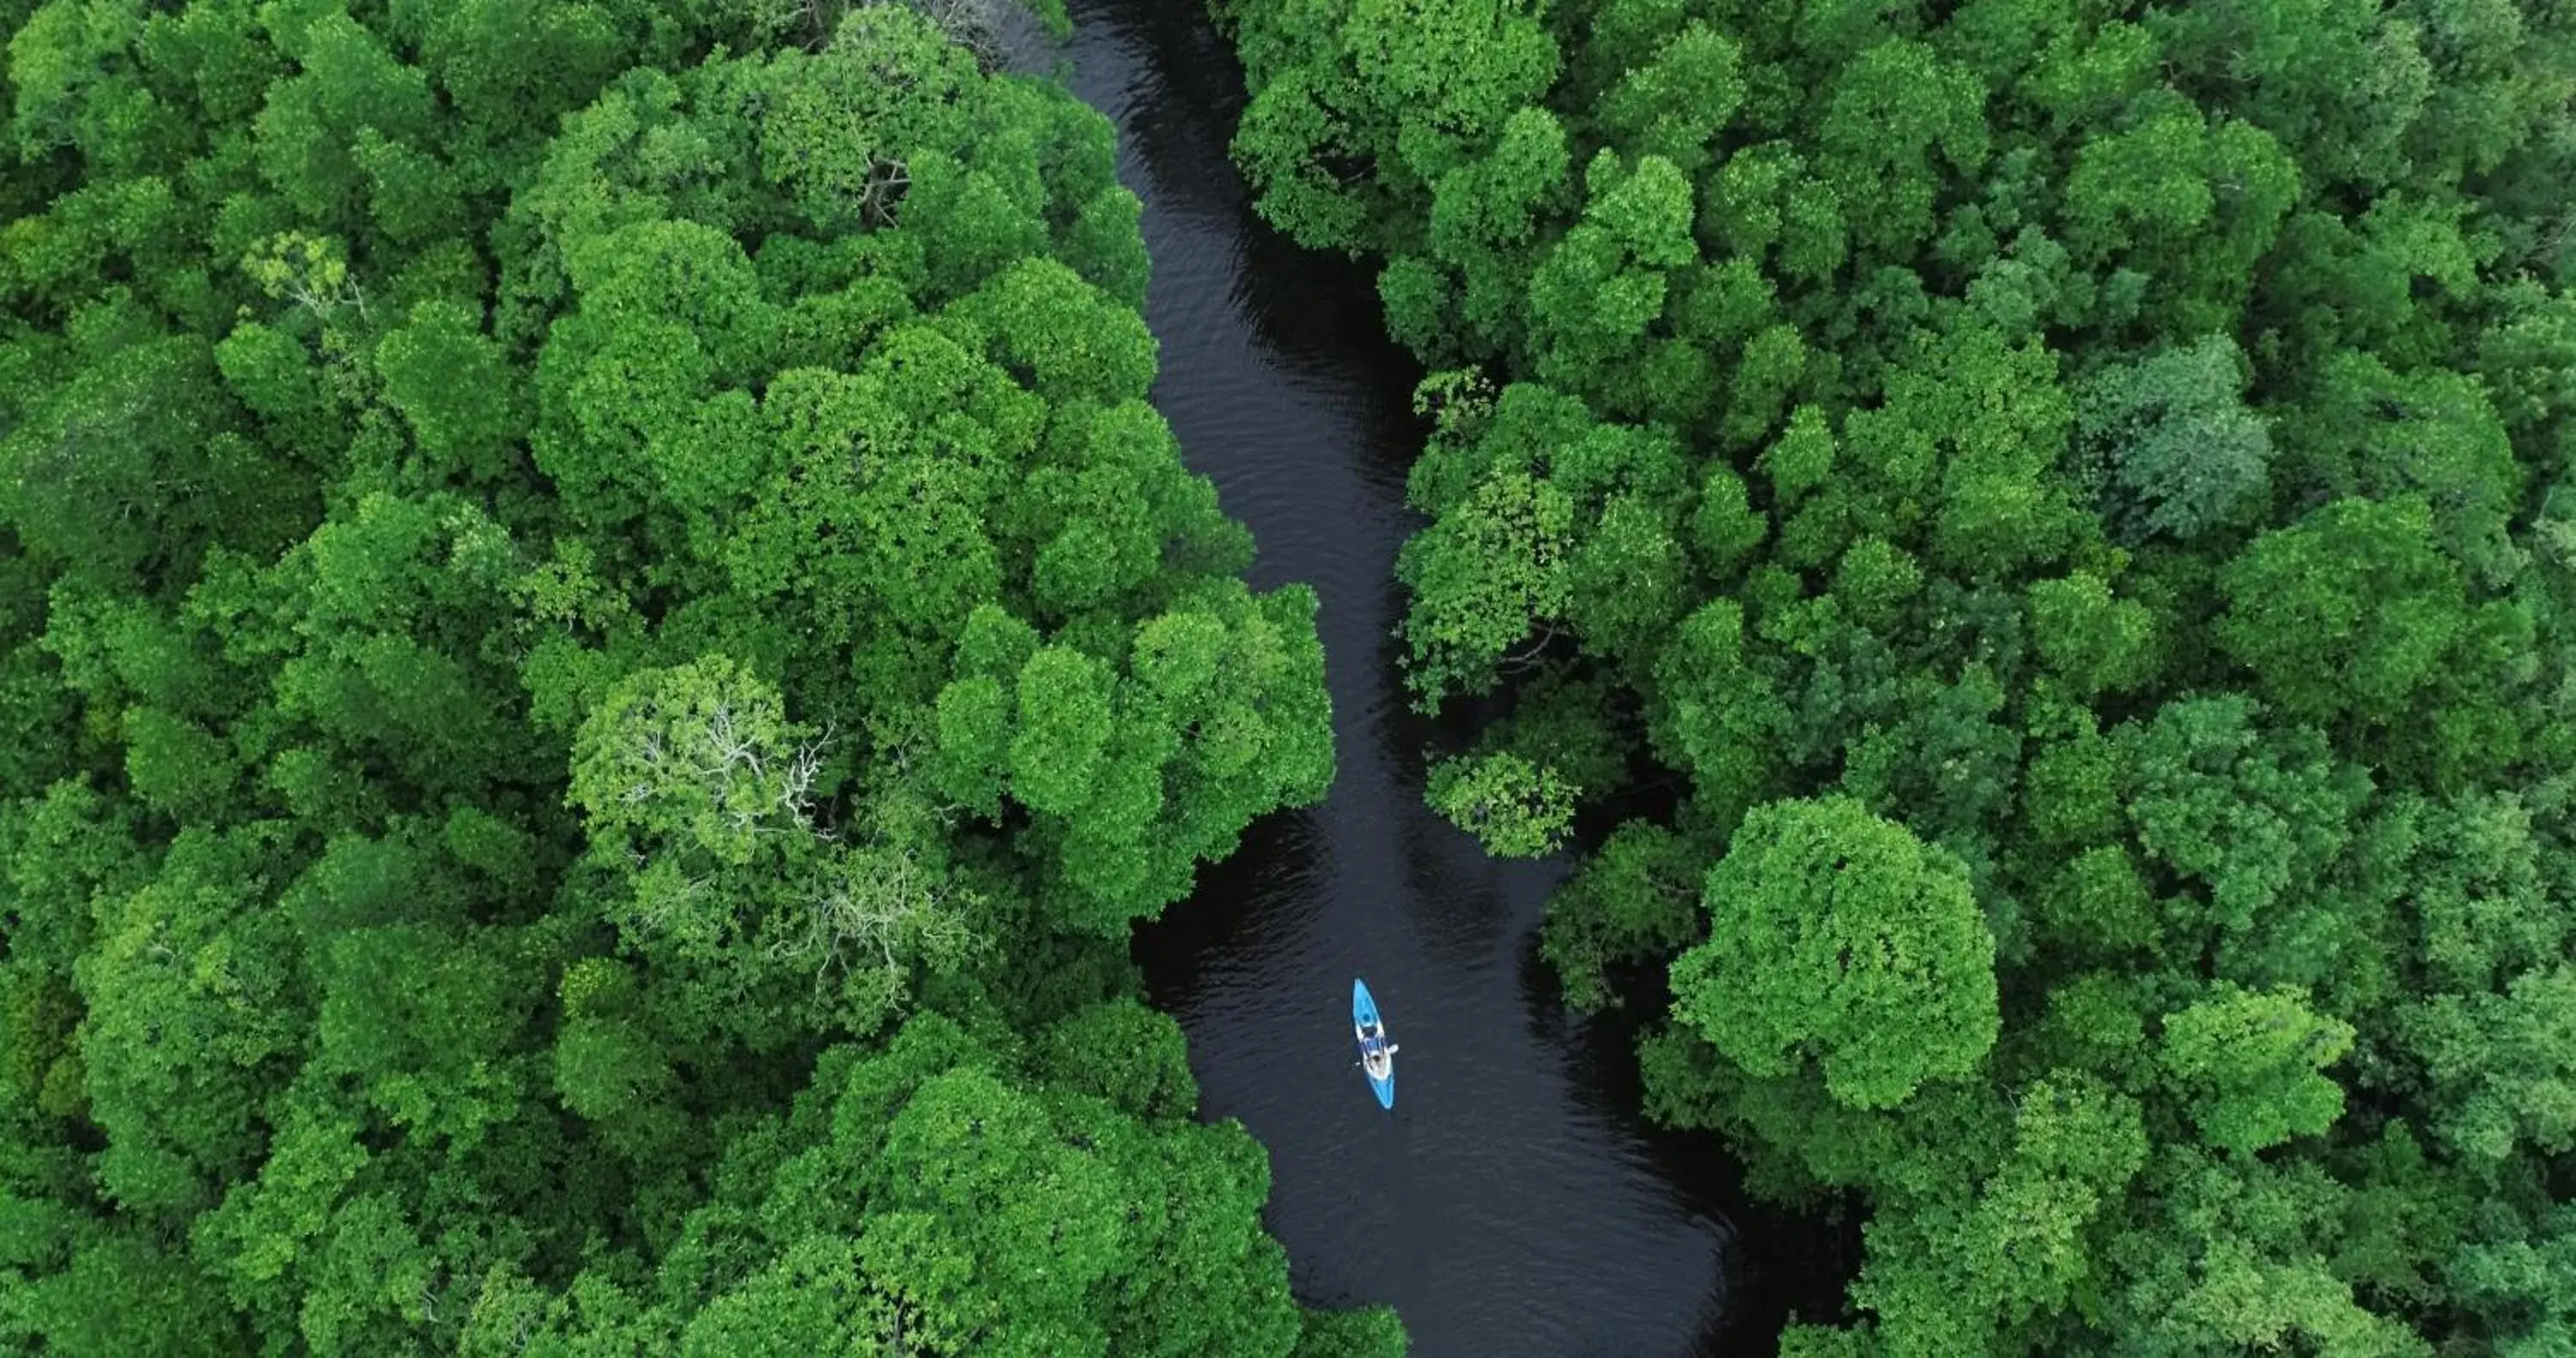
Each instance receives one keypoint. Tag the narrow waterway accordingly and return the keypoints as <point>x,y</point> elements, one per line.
<point>1514,1204</point>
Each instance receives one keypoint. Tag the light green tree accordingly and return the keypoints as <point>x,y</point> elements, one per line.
<point>1837,938</point>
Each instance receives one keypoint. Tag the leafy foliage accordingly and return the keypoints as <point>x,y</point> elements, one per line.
<point>2091,559</point>
<point>602,647</point>
<point>1833,935</point>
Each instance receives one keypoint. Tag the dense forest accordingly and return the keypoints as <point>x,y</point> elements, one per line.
<point>600,651</point>
<point>2026,546</point>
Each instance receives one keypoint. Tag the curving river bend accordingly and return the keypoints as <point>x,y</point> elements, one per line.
<point>1515,1204</point>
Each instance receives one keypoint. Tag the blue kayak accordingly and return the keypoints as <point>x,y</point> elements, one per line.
<point>1377,1055</point>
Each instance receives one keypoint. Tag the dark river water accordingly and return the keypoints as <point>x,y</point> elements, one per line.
<point>1514,1203</point>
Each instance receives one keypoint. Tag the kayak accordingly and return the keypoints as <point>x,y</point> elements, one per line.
<point>1377,1055</point>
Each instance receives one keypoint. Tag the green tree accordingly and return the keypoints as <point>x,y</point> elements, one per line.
<point>2026,372</point>
<point>2349,610</point>
<point>424,576</point>
<point>1837,937</point>
<point>2248,1063</point>
<point>2174,449</point>
<point>1516,809</point>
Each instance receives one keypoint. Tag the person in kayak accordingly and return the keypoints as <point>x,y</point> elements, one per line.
<point>1375,1053</point>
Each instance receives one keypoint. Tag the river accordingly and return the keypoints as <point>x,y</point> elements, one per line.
<point>1515,1203</point>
